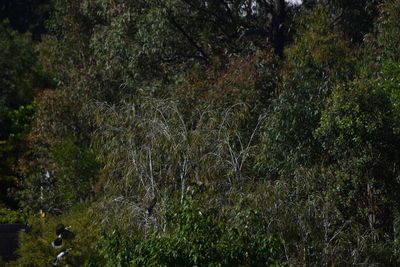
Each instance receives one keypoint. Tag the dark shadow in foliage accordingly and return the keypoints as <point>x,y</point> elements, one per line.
<point>26,15</point>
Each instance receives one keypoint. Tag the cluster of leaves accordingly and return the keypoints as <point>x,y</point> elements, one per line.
<point>12,216</point>
<point>196,235</point>
<point>35,244</point>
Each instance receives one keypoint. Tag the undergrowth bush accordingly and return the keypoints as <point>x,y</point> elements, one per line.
<point>35,247</point>
<point>197,235</point>
<point>12,216</point>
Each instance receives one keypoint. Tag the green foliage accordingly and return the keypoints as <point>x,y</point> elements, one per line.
<point>76,173</point>
<point>355,18</point>
<point>17,79</point>
<point>35,245</point>
<point>8,180</point>
<point>196,236</point>
<point>358,133</point>
<point>387,30</point>
<point>20,77</point>
<point>56,146</point>
<point>356,118</point>
<point>381,46</point>
<point>117,247</point>
<point>318,59</point>
<point>319,51</point>
<point>118,47</point>
<point>21,119</point>
<point>11,150</point>
<point>12,216</point>
<point>389,82</point>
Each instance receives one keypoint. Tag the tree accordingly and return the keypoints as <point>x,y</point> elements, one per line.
<point>318,59</point>
<point>20,78</point>
<point>58,164</point>
<point>18,74</point>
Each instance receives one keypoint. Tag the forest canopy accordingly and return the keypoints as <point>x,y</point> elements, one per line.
<point>201,132</point>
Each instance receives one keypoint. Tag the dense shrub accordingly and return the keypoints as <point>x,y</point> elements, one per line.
<point>197,235</point>
<point>35,245</point>
<point>12,216</point>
